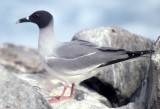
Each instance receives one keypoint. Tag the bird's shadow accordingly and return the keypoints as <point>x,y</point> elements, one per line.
<point>105,90</point>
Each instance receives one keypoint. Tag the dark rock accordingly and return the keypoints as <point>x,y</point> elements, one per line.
<point>104,89</point>
<point>132,106</point>
<point>16,94</point>
<point>79,95</point>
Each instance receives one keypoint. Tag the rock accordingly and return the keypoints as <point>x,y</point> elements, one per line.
<point>126,77</point>
<point>89,100</point>
<point>83,98</point>
<point>20,59</point>
<point>42,81</point>
<point>16,94</point>
<point>153,92</point>
<point>122,86</point>
<point>132,106</point>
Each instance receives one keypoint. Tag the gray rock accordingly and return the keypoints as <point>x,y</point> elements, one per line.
<point>83,98</point>
<point>42,81</point>
<point>128,79</point>
<point>126,76</point>
<point>153,92</point>
<point>132,106</point>
<point>89,100</point>
<point>16,94</point>
<point>20,59</point>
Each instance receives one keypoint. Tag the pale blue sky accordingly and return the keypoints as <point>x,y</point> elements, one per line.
<point>140,17</point>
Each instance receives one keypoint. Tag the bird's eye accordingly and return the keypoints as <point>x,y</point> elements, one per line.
<point>36,16</point>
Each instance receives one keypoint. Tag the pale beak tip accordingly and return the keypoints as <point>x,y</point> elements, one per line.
<point>17,22</point>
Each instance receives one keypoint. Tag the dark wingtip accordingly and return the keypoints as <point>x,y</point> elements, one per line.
<point>139,53</point>
<point>152,51</point>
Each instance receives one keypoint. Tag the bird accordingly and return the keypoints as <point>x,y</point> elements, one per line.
<point>72,61</point>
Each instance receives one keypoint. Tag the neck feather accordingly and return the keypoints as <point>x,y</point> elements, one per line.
<point>47,43</point>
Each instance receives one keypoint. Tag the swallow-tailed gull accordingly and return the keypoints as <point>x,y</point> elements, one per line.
<point>71,62</point>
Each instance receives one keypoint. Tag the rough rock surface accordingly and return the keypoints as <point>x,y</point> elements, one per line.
<point>123,84</point>
<point>126,76</point>
<point>16,94</point>
<point>153,98</point>
<point>83,99</point>
<point>20,59</point>
<point>24,63</point>
<point>51,88</point>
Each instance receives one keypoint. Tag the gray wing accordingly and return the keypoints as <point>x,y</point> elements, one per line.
<point>79,48</point>
<point>81,56</point>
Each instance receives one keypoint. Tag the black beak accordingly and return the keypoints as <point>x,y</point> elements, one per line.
<point>23,20</point>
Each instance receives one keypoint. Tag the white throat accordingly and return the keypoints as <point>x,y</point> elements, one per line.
<point>47,42</point>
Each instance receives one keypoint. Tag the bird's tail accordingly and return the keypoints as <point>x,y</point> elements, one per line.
<point>134,54</point>
<point>131,55</point>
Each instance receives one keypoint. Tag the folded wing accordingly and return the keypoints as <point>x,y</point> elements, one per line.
<point>82,56</point>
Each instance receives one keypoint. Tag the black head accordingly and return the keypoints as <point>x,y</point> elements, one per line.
<point>41,18</point>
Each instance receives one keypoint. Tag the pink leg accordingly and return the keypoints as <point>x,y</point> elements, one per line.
<point>71,94</point>
<point>59,98</point>
<point>62,95</point>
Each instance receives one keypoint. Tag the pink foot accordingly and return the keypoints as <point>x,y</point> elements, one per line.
<point>56,100</point>
<point>62,97</point>
<point>67,97</point>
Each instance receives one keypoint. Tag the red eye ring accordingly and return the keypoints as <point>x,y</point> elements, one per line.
<point>36,16</point>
